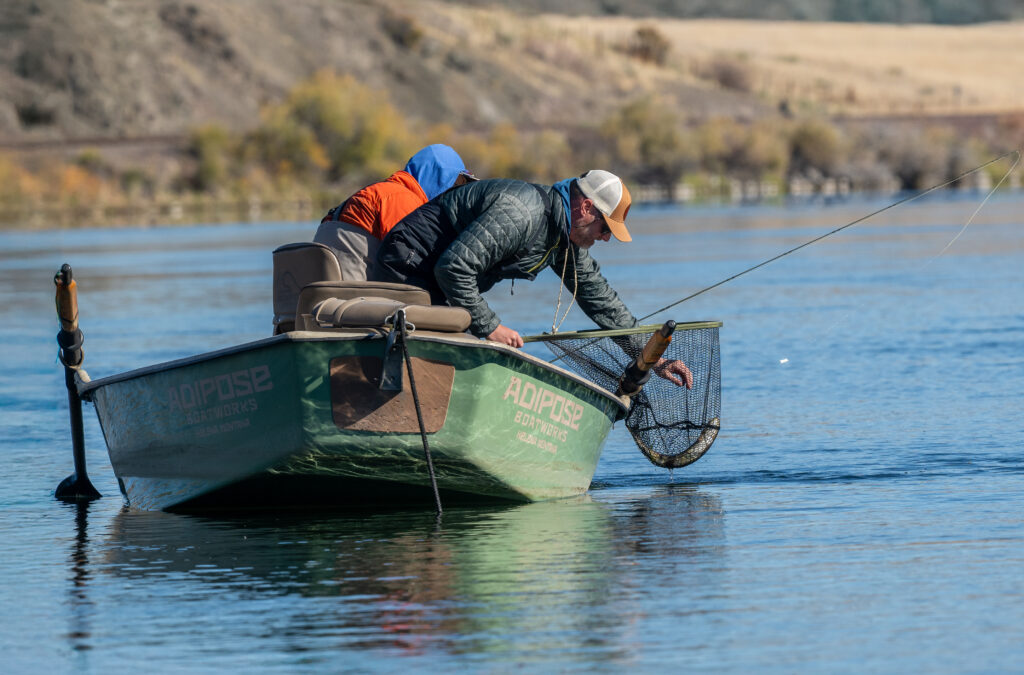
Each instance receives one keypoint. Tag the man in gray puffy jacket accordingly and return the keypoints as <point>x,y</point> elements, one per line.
<point>458,245</point>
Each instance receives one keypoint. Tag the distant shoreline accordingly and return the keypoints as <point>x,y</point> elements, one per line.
<point>187,214</point>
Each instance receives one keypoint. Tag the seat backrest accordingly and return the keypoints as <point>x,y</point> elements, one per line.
<point>295,267</point>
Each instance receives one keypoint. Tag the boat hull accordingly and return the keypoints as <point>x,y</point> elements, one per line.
<point>300,418</point>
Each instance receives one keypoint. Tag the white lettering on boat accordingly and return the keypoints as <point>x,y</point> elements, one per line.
<point>220,389</point>
<point>540,426</point>
<point>530,439</point>
<point>223,427</point>
<point>220,403</point>
<point>543,402</point>
<point>219,412</point>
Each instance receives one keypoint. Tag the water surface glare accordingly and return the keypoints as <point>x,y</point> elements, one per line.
<point>860,510</point>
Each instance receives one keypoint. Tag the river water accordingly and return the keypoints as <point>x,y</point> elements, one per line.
<point>860,510</point>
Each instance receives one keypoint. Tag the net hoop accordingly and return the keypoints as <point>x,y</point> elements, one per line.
<point>598,333</point>
<point>673,426</point>
<point>686,457</point>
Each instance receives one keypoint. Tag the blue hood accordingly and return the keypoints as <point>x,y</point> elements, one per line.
<point>562,188</point>
<point>436,168</point>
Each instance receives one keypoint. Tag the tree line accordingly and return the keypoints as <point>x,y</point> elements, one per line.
<point>332,134</point>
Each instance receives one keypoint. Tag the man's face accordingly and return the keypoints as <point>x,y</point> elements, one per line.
<point>589,226</point>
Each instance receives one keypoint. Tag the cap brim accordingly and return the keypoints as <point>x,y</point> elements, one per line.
<point>469,176</point>
<point>618,229</point>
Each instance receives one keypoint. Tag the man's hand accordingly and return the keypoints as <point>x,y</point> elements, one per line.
<point>674,371</point>
<point>507,336</point>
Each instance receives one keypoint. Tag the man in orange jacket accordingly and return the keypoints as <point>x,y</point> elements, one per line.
<point>355,227</point>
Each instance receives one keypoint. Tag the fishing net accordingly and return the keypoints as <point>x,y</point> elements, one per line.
<point>673,426</point>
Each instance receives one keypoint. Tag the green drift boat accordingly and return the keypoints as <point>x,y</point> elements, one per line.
<point>300,417</point>
<point>366,393</point>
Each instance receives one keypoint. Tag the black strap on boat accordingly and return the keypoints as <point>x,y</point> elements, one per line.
<point>400,329</point>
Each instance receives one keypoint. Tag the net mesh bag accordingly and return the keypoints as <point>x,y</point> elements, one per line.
<point>673,426</point>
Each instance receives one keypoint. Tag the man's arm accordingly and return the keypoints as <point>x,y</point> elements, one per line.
<point>496,234</point>
<point>601,303</point>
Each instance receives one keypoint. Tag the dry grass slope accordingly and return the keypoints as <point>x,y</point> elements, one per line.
<point>137,68</point>
<point>116,105</point>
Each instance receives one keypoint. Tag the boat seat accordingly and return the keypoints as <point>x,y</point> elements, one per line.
<point>315,293</point>
<point>295,267</point>
<point>374,312</point>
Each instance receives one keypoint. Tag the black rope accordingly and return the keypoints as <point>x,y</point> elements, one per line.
<point>400,325</point>
<point>70,352</point>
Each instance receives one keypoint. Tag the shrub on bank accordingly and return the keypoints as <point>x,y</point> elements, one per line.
<point>215,152</point>
<point>649,144</point>
<point>648,44</point>
<point>728,73</point>
<point>356,127</point>
<point>18,186</point>
<point>816,147</point>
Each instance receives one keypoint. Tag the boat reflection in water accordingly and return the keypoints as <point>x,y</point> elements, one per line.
<point>522,577</point>
<point>399,579</point>
<point>483,580</point>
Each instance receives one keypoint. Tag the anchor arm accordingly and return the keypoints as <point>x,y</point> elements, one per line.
<point>77,486</point>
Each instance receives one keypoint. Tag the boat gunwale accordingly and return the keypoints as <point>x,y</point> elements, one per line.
<point>86,387</point>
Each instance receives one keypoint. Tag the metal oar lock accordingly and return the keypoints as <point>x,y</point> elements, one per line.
<point>639,371</point>
<point>77,486</point>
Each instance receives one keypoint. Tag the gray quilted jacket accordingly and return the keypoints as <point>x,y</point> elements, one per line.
<point>509,229</point>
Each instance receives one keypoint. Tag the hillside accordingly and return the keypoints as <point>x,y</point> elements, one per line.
<point>80,68</point>
<point>174,110</point>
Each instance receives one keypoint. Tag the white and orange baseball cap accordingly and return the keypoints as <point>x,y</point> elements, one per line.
<point>611,198</point>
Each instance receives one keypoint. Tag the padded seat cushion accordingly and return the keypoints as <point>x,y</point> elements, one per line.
<point>315,293</point>
<point>374,312</point>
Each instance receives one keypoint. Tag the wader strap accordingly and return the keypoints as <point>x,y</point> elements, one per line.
<point>547,197</point>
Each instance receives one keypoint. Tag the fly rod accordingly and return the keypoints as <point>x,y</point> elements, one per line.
<point>905,200</point>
